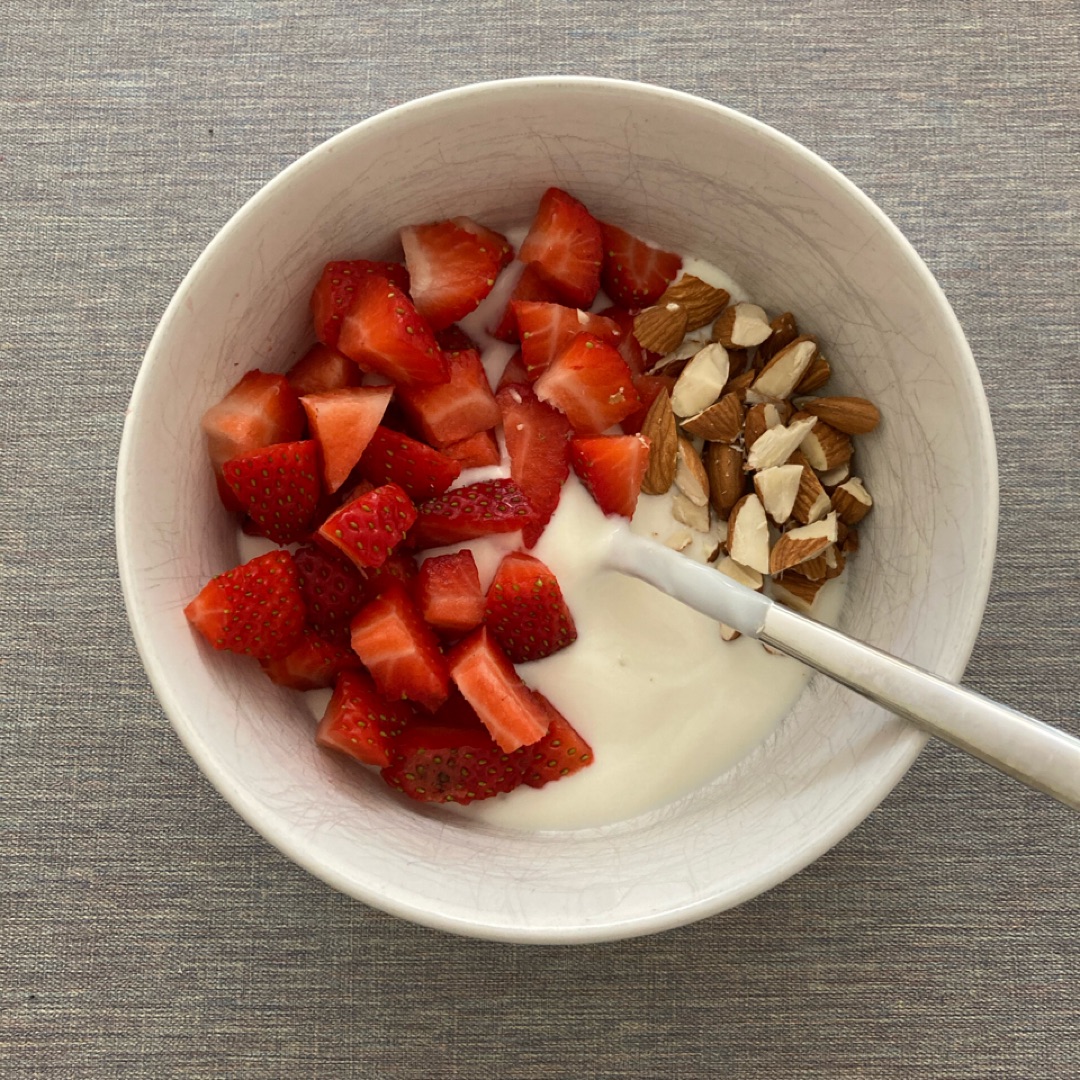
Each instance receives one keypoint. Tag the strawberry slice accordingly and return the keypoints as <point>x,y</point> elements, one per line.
<point>612,468</point>
<point>454,339</point>
<point>561,752</point>
<point>314,664</point>
<point>638,359</point>
<point>451,268</point>
<point>525,610</point>
<point>369,528</point>
<point>648,388</point>
<point>399,569</point>
<point>488,682</point>
<point>336,291</point>
<point>475,452</point>
<point>547,329</point>
<point>255,608</point>
<point>333,589</point>
<point>400,650</point>
<point>513,373</point>
<point>448,592</point>
<point>360,722</point>
<point>532,285</point>
<point>278,488</point>
<point>343,422</point>
<point>261,409</point>
<point>590,382</point>
<point>322,368</point>
<point>457,409</point>
<point>496,242</point>
<point>634,273</point>
<point>482,509</point>
<point>393,458</point>
<point>384,333</point>
<point>536,440</point>
<point>450,764</point>
<point>565,240</point>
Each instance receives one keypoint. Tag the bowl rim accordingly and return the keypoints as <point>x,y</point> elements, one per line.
<point>282,838</point>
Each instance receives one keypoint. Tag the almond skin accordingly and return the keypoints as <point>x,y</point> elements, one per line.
<point>727,480</point>
<point>851,415</point>
<point>722,422</point>
<point>783,373</point>
<point>852,501</point>
<point>754,426</point>
<point>817,375</point>
<point>797,591</point>
<point>661,328</point>
<point>660,429</point>
<point>742,326</point>
<point>700,300</point>
<point>825,447</point>
<point>784,331</point>
<point>812,502</point>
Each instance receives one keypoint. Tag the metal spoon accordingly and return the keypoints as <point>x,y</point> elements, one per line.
<point>1035,753</point>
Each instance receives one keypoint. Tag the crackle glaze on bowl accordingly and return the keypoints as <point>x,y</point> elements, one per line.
<point>700,179</point>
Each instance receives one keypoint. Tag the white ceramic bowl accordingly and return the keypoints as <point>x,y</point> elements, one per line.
<point>698,178</point>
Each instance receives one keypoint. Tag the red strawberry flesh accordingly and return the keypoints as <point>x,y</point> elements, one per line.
<point>335,293</point>
<point>278,488</point>
<point>369,528</point>
<point>343,422</point>
<point>322,368</point>
<point>360,722</point>
<point>465,513</point>
<point>525,610</point>
<point>456,409</point>
<point>565,241</point>
<point>634,273</point>
<point>612,467</point>
<point>547,329</point>
<point>448,592</point>
<point>312,665</point>
<point>394,458</point>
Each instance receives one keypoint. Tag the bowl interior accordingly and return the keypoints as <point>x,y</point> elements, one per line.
<point>699,179</point>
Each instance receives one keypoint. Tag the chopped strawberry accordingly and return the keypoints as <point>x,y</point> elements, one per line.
<point>492,506</point>
<point>343,421</point>
<point>448,592</point>
<point>261,409</point>
<point>496,242</point>
<point>360,722</point>
<point>449,764</point>
<point>638,359</point>
<point>590,382</point>
<point>513,373</point>
<point>451,269</point>
<point>547,329</point>
<point>384,333</point>
<point>314,663</point>
<point>536,440</point>
<point>400,650</point>
<point>456,409</point>
<point>566,242</point>
<point>336,291</point>
<point>333,590</point>
<point>278,488</point>
<point>393,458</point>
<point>453,339</point>
<point>399,569</point>
<point>255,608</point>
<point>525,610</point>
<point>532,285</point>
<point>635,273</point>
<point>648,388</point>
<point>488,681</point>
<point>322,368</point>
<point>561,752</point>
<point>455,711</point>
<point>475,452</point>
<point>369,528</point>
<point>612,468</point>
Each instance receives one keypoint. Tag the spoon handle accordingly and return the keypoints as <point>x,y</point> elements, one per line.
<point>1041,756</point>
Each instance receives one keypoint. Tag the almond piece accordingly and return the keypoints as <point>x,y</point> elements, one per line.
<point>777,413</point>
<point>685,511</point>
<point>797,591</point>
<point>701,381</point>
<point>721,422</point>
<point>832,477</point>
<point>817,375</point>
<point>700,300</point>
<point>799,545</point>
<point>744,576</point>
<point>851,415</point>
<point>754,426</point>
<point>682,352</point>
<point>738,360</point>
<point>852,501</point>
<point>659,428</point>
<point>740,384</point>
<point>748,534</point>
<point>778,443</point>
<point>849,544</point>
<point>777,488</point>
<point>815,569</point>
<point>679,541</point>
<point>784,331</point>
<point>825,447</point>
<point>727,478</point>
<point>660,328</point>
<point>835,561</point>
<point>742,326</point>
<point>690,475</point>
<point>812,501</point>
<point>778,379</point>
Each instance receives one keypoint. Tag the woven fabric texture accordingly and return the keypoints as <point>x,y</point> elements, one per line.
<point>146,931</point>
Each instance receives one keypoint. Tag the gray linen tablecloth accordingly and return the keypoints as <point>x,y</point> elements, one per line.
<point>146,931</point>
